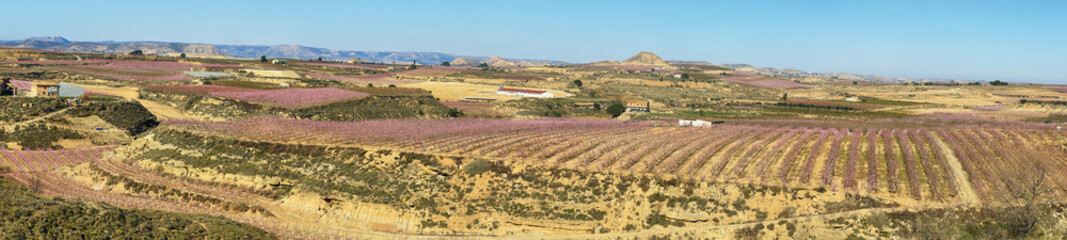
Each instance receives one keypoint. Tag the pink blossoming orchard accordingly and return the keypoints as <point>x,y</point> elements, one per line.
<point>290,145</point>
<point>906,162</point>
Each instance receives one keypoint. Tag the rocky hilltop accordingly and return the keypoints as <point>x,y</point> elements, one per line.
<point>646,59</point>
<point>496,61</point>
<point>463,61</point>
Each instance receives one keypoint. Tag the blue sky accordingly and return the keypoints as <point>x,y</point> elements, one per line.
<point>978,40</point>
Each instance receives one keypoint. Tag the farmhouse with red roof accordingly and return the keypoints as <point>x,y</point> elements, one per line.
<point>523,92</point>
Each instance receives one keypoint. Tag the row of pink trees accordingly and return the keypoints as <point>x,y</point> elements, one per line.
<point>722,152</point>
<point>46,159</point>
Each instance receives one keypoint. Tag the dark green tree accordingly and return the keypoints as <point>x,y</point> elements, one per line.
<point>452,112</point>
<point>263,58</point>
<point>578,83</point>
<point>446,63</point>
<point>998,83</point>
<point>183,55</point>
<point>616,110</point>
<point>137,52</point>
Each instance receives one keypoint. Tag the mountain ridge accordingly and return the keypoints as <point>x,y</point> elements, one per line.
<point>290,51</point>
<point>790,72</point>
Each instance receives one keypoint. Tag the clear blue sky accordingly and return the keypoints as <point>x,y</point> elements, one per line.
<point>979,40</point>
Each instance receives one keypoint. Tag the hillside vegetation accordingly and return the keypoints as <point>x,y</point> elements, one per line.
<point>25,215</point>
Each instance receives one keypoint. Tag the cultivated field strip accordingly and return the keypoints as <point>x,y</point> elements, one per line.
<point>899,162</point>
<point>44,160</point>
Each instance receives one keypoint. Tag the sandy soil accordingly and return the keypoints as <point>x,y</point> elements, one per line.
<point>966,196</point>
<point>451,91</point>
<point>161,111</point>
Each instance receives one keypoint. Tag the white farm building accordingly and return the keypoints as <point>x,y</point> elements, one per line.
<point>696,123</point>
<point>523,93</point>
<point>693,123</point>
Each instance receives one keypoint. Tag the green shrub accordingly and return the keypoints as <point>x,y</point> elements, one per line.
<point>39,136</point>
<point>616,110</point>
<point>477,167</point>
<point>125,115</point>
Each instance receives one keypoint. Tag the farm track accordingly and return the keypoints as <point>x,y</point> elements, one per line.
<point>11,127</point>
<point>702,154</point>
<point>815,151</point>
<point>967,195</point>
<point>702,169</point>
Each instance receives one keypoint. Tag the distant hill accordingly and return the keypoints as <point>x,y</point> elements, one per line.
<point>496,61</point>
<point>609,62</point>
<point>789,72</point>
<point>689,62</point>
<point>58,43</point>
<point>646,59</point>
<point>355,60</point>
<point>462,61</point>
<point>55,39</point>
<point>303,52</point>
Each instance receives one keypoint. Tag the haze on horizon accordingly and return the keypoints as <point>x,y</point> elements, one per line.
<point>982,40</point>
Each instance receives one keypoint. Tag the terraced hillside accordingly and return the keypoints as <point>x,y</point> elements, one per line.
<point>308,191</point>
<point>30,216</point>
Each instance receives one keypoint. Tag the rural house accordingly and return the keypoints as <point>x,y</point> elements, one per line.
<point>637,105</point>
<point>44,89</point>
<point>276,61</point>
<point>523,92</point>
<point>54,89</point>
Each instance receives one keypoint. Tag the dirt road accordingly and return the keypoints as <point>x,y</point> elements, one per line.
<point>11,127</point>
<point>161,111</point>
<point>967,195</point>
